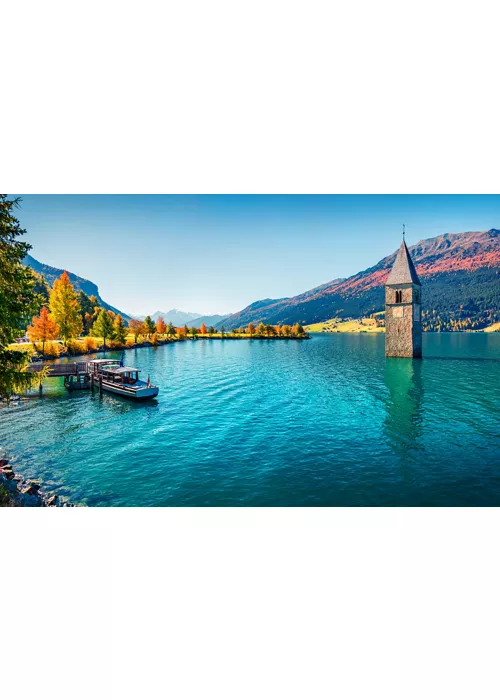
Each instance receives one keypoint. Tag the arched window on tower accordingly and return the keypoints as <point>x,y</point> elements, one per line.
<point>399,296</point>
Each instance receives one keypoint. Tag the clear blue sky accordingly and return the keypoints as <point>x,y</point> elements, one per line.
<point>218,253</point>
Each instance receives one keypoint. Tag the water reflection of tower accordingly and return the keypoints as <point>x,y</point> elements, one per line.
<point>403,420</point>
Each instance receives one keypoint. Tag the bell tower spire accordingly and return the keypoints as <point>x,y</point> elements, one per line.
<point>403,315</point>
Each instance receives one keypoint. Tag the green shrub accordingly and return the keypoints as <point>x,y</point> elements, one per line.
<point>4,496</point>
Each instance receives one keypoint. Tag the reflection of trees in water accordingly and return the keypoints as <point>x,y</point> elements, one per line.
<point>403,419</point>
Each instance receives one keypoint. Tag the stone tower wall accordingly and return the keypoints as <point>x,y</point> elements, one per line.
<point>408,291</point>
<point>403,324</point>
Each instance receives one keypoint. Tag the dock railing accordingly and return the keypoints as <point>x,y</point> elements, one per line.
<point>60,369</point>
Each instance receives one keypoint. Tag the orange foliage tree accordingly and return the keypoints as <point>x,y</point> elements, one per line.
<point>203,329</point>
<point>44,328</point>
<point>136,327</point>
<point>161,326</point>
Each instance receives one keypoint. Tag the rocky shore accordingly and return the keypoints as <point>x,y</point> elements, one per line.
<point>17,492</point>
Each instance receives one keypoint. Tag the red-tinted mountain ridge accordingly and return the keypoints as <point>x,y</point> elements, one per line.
<point>460,274</point>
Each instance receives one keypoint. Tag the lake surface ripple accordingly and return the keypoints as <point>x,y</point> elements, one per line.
<point>324,422</point>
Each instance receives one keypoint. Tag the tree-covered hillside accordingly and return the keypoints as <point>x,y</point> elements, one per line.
<point>460,275</point>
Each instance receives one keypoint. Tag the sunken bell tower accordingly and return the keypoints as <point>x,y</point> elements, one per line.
<point>403,308</point>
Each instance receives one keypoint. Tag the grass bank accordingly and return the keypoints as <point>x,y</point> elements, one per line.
<point>335,325</point>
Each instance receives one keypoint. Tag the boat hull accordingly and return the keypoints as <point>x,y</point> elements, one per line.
<point>140,394</point>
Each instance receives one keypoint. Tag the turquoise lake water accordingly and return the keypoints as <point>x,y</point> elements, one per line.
<point>324,422</point>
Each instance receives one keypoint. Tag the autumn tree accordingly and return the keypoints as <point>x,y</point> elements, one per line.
<point>103,327</point>
<point>251,329</point>
<point>298,330</point>
<point>43,328</point>
<point>161,326</point>
<point>135,327</point>
<point>194,332</point>
<point>150,326</point>
<point>261,329</point>
<point>203,329</point>
<point>286,330</point>
<point>18,300</point>
<point>65,309</point>
<point>170,330</point>
<point>120,332</point>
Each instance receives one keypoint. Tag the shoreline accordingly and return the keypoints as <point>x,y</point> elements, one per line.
<point>164,341</point>
<point>18,492</point>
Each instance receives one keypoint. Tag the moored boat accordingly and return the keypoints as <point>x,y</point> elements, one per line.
<point>111,376</point>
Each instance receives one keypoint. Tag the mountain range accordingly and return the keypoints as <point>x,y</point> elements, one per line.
<point>175,316</point>
<point>460,274</point>
<point>215,320</point>
<point>80,283</point>
<point>181,318</point>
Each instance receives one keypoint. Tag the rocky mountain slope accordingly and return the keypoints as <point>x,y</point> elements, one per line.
<point>460,275</point>
<point>52,273</point>
<point>268,310</point>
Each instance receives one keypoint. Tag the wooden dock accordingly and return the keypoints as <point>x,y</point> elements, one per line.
<point>76,374</point>
<point>60,369</point>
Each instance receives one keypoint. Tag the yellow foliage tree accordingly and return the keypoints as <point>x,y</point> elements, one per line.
<point>65,308</point>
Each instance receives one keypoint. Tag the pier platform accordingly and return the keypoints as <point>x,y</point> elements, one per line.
<point>76,374</point>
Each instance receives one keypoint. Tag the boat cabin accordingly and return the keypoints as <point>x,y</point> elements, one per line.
<point>95,367</point>
<point>120,375</point>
